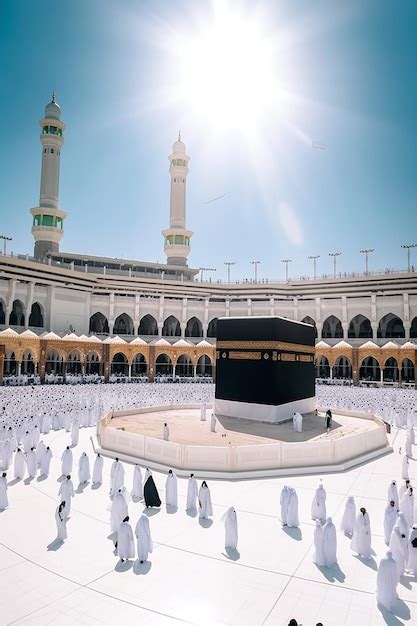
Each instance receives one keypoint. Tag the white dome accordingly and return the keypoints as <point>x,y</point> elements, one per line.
<point>52,109</point>
<point>179,146</point>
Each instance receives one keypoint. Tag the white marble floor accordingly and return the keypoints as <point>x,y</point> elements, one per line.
<point>190,578</point>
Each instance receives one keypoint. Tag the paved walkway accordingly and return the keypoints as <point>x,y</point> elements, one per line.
<point>190,579</point>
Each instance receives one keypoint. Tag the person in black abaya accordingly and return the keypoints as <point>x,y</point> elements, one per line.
<point>150,492</point>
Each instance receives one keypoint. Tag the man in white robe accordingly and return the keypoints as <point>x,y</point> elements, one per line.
<point>361,540</point>
<point>213,422</point>
<point>292,510</point>
<point>299,423</point>
<point>283,501</point>
<point>390,517</point>
<point>412,552</point>
<point>4,502</point>
<point>294,421</point>
<point>137,488</point>
<point>407,506</point>
<point>46,461</point>
<point>66,459</point>
<point>348,520</point>
<point>192,494</point>
<point>98,470</point>
<point>83,469</point>
<point>329,543</point>
<point>318,506</point>
<point>118,511</point>
<point>117,477</point>
<point>386,582</point>
<point>203,412</point>
<point>398,546</point>
<point>40,450</point>
<point>205,508</point>
<point>125,542</point>
<point>31,463</point>
<point>75,431</point>
<point>144,542</point>
<point>66,492</point>
<point>61,522</point>
<point>171,490</point>
<point>230,526</point>
<point>393,493</point>
<point>165,432</point>
<point>405,468</point>
<point>404,489</point>
<point>19,464</point>
<point>318,556</point>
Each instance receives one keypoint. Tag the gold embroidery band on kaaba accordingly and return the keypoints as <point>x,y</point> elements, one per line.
<point>265,345</point>
<point>250,356</point>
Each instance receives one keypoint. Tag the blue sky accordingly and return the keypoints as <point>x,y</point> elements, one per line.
<point>348,67</point>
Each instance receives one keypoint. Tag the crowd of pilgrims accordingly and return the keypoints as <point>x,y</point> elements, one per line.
<point>29,413</point>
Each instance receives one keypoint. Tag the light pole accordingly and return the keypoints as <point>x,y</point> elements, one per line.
<point>366,252</point>
<point>205,269</point>
<point>286,261</point>
<point>255,263</point>
<point>408,246</point>
<point>314,257</point>
<point>334,255</point>
<point>5,240</point>
<point>229,264</point>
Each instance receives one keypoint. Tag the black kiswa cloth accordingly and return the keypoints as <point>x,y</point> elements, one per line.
<point>150,493</point>
<point>414,542</point>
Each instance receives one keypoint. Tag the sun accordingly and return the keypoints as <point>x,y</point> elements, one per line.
<point>227,70</point>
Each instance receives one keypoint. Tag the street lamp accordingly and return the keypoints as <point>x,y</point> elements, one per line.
<point>229,263</point>
<point>286,261</point>
<point>366,252</point>
<point>408,246</point>
<point>314,257</point>
<point>255,263</point>
<point>334,255</point>
<point>205,269</point>
<point>5,240</point>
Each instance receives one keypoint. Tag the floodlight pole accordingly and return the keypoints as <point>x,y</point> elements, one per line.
<point>314,257</point>
<point>366,252</point>
<point>255,263</point>
<point>286,261</point>
<point>5,240</point>
<point>205,269</point>
<point>408,246</point>
<point>334,255</point>
<point>229,264</point>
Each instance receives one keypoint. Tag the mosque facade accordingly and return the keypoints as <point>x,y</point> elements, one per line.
<point>71,312</point>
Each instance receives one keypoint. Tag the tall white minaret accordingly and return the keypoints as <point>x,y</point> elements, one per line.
<point>177,237</point>
<point>48,218</point>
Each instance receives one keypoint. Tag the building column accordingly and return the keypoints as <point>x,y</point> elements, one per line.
<point>407,328</point>
<point>381,377</point>
<point>374,326</point>
<point>160,326</point>
<point>205,327</point>
<point>183,327</point>
<point>129,371</point>
<point>319,327</point>
<point>355,366</point>
<point>42,360</point>
<point>331,372</point>
<point>19,368</point>
<point>106,362</point>
<point>151,363</point>
<point>195,370</point>
<point>2,353</point>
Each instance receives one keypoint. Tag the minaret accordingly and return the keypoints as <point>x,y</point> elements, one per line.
<point>48,218</point>
<point>177,237</point>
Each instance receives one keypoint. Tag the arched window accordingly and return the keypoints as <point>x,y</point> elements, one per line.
<point>194,328</point>
<point>98,324</point>
<point>119,364</point>
<point>123,325</point>
<point>184,366</point>
<point>17,316</point>
<point>391,370</point>
<point>204,366</point>
<point>360,328</point>
<point>171,327</point>
<point>370,369</point>
<point>413,329</point>
<point>148,326</point>
<point>391,327</point>
<point>309,320</point>
<point>342,368</point>
<point>36,316</point>
<point>74,362</point>
<point>28,365</point>
<point>332,328</point>
<point>139,365</point>
<point>54,362</point>
<point>323,367</point>
<point>163,365</point>
<point>2,313</point>
<point>408,371</point>
<point>212,328</point>
<point>10,364</point>
<point>93,365</point>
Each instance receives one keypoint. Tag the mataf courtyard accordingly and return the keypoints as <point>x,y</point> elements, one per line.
<point>190,577</point>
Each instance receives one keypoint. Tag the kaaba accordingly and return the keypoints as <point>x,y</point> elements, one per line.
<point>264,368</point>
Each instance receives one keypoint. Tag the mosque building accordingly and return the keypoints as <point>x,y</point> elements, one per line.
<point>65,312</point>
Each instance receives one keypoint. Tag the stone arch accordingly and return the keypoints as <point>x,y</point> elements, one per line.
<point>332,328</point>
<point>194,328</point>
<point>413,329</point>
<point>370,369</point>
<point>17,316</point>
<point>36,317</point>
<point>360,328</point>
<point>10,363</point>
<point>342,368</point>
<point>408,371</point>
<point>2,312</point>
<point>390,327</point>
<point>309,320</point>
<point>212,328</point>
<point>148,325</point>
<point>28,363</point>
<point>163,365</point>
<point>119,364</point>
<point>184,366</point>
<point>204,366</point>
<point>54,362</point>
<point>139,366</point>
<point>171,327</point>
<point>74,360</point>
<point>391,370</point>
<point>322,367</point>
<point>123,325</point>
<point>99,324</point>
<point>93,363</point>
